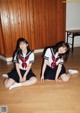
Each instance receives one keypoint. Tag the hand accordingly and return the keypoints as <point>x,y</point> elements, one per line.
<point>24,78</point>
<point>20,79</point>
<point>42,78</point>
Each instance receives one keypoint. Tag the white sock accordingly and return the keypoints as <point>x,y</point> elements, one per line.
<point>15,85</point>
<point>5,75</point>
<point>71,71</point>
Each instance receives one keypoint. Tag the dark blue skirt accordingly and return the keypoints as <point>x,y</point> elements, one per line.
<point>50,73</point>
<point>14,75</point>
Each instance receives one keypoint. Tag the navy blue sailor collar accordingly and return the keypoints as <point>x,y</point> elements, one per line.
<point>52,51</point>
<point>27,54</point>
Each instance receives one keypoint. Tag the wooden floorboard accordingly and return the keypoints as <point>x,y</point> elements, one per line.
<point>46,97</point>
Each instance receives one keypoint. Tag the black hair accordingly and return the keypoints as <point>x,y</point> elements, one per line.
<point>57,46</point>
<point>62,44</point>
<point>18,51</point>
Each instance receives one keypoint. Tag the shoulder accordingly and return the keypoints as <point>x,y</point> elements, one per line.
<point>31,54</point>
<point>48,49</point>
<point>48,53</point>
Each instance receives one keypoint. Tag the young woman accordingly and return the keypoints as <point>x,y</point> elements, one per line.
<point>21,74</point>
<point>53,63</point>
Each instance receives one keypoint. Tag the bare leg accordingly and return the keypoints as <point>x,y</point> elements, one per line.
<point>65,77</point>
<point>8,82</point>
<point>5,80</point>
<point>31,81</point>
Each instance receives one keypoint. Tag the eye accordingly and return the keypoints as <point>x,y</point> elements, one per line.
<point>65,49</point>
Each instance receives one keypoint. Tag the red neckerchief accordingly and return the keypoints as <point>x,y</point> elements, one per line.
<point>24,64</point>
<point>54,60</point>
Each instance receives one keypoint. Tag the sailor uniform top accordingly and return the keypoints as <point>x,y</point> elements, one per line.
<point>24,60</point>
<point>53,59</point>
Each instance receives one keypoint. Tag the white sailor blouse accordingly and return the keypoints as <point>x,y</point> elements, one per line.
<point>53,59</point>
<point>24,60</point>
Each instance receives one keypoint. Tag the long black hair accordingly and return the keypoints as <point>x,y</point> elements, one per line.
<point>18,51</point>
<point>62,44</point>
<point>57,46</point>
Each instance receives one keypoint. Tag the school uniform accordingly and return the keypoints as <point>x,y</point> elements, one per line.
<point>24,60</point>
<point>53,61</point>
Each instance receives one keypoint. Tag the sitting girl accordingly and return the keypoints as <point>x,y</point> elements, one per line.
<point>21,74</point>
<point>53,63</point>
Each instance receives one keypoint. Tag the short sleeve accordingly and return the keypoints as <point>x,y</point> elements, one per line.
<point>31,58</point>
<point>47,54</point>
<point>15,59</point>
<point>61,61</point>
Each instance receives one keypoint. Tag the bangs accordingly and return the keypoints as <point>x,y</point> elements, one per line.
<point>66,45</point>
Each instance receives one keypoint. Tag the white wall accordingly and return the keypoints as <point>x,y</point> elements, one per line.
<point>73,19</point>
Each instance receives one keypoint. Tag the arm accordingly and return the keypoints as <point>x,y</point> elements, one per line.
<point>27,70</point>
<point>58,71</point>
<point>43,69</point>
<point>31,60</point>
<point>18,71</point>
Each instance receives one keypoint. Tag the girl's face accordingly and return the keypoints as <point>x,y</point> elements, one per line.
<point>23,46</point>
<point>62,50</point>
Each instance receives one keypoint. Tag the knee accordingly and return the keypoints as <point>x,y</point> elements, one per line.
<point>34,80</point>
<point>6,85</point>
<point>65,78</point>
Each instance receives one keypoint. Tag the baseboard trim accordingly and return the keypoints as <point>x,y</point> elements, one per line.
<point>9,59</point>
<point>38,50</point>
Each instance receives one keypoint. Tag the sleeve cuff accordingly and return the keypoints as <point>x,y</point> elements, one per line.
<point>46,58</point>
<point>30,62</point>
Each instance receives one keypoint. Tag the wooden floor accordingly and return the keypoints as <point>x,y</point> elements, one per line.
<point>46,97</point>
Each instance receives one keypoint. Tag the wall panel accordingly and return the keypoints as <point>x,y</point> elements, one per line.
<point>40,22</point>
<point>2,51</point>
<point>5,23</point>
